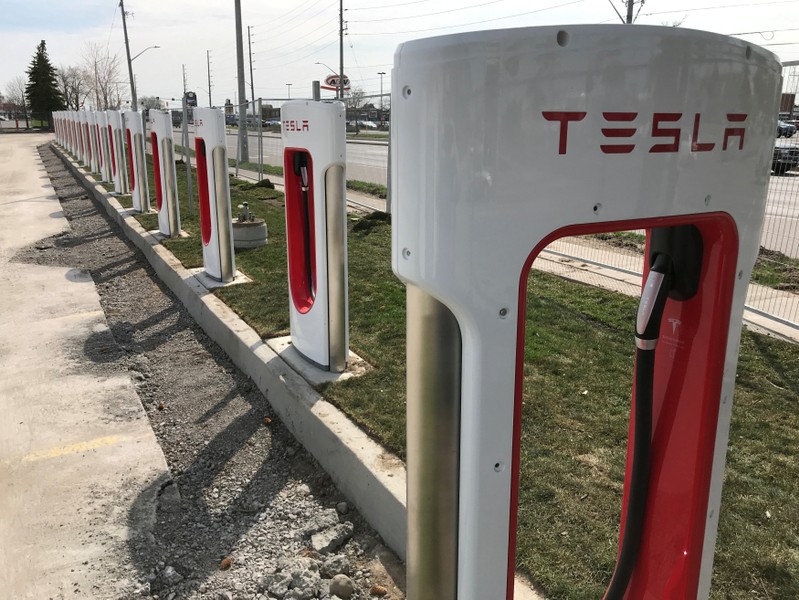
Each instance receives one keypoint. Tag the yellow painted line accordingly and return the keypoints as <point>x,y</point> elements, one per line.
<point>71,449</point>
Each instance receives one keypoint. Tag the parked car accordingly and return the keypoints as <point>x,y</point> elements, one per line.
<point>786,157</point>
<point>785,129</point>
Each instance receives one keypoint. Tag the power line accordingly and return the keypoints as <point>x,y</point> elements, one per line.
<point>442,12</point>
<point>388,6</point>
<point>296,15</point>
<point>762,32</point>
<point>325,24</point>
<point>476,22</point>
<point>304,46</point>
<point>746,5</point>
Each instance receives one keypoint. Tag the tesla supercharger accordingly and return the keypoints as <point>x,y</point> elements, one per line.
<point>105,148</point>
<point>314,163</point>
<point>503,141</point>
<point>70,127</point>
<point>213,190</point>
<point>78,135</point>
<point>84,139</point>
<point>164,174</point>
<point>59,124</point>
<point>137,165</point>
<point>91,134</point>
<point>117,132</point>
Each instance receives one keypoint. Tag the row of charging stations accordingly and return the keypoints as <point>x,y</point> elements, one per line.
<point>556,132</point>
<point>314,138</point>
<point>119,138</point>
<point>97,140</point>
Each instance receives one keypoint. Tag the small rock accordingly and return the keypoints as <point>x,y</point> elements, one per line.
<point>342,586</point>
<point>225,595</point>
<point>335,565</point>
<point>226,563</point>
<point>278,584</point>
<point>320,521</point>
<point>332,539</point>
<point>303,489</point>
<point>170,577</point>
<point>290,451</point>
<point>343,508</point>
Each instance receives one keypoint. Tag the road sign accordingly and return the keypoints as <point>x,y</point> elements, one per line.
<point>332,82</point>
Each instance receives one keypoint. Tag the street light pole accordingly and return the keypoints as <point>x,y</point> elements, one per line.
<point>288,85</point>
<point>381,73</point>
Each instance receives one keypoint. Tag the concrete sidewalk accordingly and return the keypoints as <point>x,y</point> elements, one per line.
<point>76,448</point>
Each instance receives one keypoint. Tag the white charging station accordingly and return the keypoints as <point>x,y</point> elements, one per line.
<point>69,129</point>
<point>59,125</point>
<point>164,174</point>
<point>116,130</point>
<point>213,189</point>
<point>314,170</point>
<point>105,149</point>
<point>72,133</point>
<point>134,137</point>
<point>503,141</point>
<point>83,128</point>
<point>94,147</point>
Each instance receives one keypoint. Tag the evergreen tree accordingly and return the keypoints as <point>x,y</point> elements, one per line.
<point>42,92</point>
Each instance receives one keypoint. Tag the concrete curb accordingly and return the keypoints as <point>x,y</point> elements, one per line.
<point>373,479</point>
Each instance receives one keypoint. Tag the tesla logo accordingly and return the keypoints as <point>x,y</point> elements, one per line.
<point>620,128</point>
<point>295,125</point>
<point>675,323</point>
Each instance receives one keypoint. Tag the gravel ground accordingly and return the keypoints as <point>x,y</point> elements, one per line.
<point>248,513</point>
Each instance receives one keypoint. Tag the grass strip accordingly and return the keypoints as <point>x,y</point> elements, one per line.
<point>772,269</point>
<point>577,380</point>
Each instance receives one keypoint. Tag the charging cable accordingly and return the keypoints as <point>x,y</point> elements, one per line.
<point>647,329</point>
<point>301,169</point>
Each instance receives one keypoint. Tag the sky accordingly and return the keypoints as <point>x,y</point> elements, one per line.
<point>290,37</point>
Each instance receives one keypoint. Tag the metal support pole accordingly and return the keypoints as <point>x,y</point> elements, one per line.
<point>260,142</point>
<point>187,154</point>
<point>317,90</point>
<point>433,446</point>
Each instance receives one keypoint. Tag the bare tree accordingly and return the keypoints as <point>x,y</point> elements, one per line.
<point>355,98</point>
<point>75,86</point>
<point>148,102</point>
<point>103,72</point>
<point>15,91</point>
